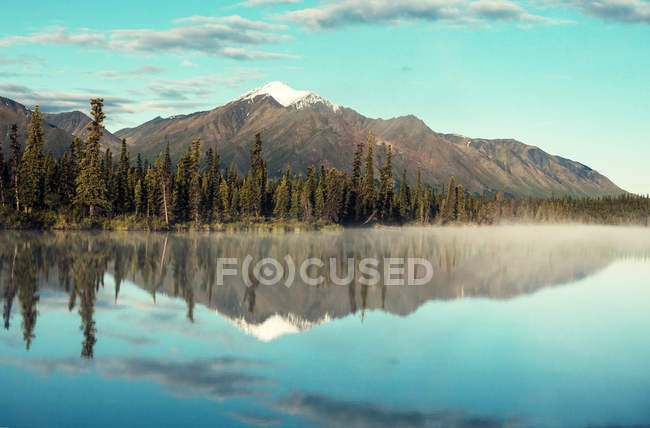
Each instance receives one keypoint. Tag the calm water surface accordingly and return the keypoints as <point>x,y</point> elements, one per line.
<point>519,326</point>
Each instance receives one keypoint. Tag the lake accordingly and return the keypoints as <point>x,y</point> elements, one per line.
<point>498,326</point>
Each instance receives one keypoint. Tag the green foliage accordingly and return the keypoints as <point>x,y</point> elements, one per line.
<point>31,165</point>
<point>84,189</point>
<point>91,188</point>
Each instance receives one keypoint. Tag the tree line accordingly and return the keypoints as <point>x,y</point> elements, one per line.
<point>87,184</point>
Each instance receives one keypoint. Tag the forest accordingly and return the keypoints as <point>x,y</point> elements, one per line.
<point>88,188</point>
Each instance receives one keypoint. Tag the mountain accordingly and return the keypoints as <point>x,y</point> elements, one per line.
<point>60,128</point>
<point>300,128</point>
<point>76,123</point>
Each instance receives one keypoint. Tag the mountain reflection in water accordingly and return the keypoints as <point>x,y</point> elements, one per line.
<point>44,273</point>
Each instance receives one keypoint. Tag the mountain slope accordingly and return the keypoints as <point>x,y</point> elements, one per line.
<point>11,112</point>
<point>300,128</point>
<point>60,128</point>
<point>76,123</point>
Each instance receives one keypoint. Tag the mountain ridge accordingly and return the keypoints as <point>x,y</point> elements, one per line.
<point>301,129</point>
<point>60,128</point>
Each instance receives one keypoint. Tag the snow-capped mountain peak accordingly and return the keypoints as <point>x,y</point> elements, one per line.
<point>287,96</point>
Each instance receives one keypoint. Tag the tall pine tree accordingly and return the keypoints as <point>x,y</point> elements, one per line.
<point>31,166</point>
<point>91,189</point>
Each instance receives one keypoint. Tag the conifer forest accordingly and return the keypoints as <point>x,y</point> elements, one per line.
<point>87,188</point>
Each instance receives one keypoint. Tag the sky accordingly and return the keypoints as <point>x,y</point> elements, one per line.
<point>569,76</point>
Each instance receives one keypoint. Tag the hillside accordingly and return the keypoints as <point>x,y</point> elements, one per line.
<point>60,128</point>
<point>300,129</point>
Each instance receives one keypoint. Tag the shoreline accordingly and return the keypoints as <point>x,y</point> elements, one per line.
<point>49,221</point>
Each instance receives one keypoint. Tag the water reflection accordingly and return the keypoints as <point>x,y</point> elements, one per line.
<point>146,309</point>
<point>490,262</point>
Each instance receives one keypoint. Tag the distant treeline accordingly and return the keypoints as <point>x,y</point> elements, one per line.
<point>86,187</point>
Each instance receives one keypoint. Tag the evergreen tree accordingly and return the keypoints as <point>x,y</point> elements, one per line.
<point>283,198</point>
<point>123,197</point>
<point>52,183</point>
<point>140,198</point>
<point>31,166</point>
<point>404,199</point>
<point>3,178</point>
<point>450,203</point>
<point>194,182</point>
<point>256,178</point>
<point>181,187</point>
<point>91,189</point>
<point>150,191</point>
<point>386,187</point>
<point>15,157</point>
<point>163,175</point>
<point>224,193</point>
<point>368,187</point>
<point>110,181</point>
<point>459,210</point>
<point>353,202</point>
<point>295,211</point>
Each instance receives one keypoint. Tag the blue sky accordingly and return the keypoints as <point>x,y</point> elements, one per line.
<point>568,76</point>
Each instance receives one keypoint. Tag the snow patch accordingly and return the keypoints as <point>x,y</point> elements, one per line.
<point>277,325</point>
<point>288,97</point>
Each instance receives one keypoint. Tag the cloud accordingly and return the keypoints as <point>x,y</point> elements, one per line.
<point>190,92</point>
<point>19,60</point>
<point>254,419</point>
<point>216,379</point>
<point>255,3</point>
<point>187,63</point>
<point>630,11</point>
<point>327,411</point>
<point>59,36</point>
<point>125,74</point>
<point>350,12</point>
<point>53,102</point>
<point>222,36</point>
<point>234,21</point>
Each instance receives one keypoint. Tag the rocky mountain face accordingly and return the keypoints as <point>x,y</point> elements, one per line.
<point>76,123</point>
<point>60,128</point>
<point>300,128</point>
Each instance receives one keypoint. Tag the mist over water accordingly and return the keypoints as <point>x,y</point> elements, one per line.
<point>518,326</point>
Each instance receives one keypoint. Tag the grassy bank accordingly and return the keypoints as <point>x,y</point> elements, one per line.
<point>49,220</point>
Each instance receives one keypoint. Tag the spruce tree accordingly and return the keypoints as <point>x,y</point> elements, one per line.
<point>91,189</point>
<point>150,191</point>
<point>368,187</point>
<point>215,184</point>
<point>15,157</point>
<point>386,187</point>
<point>404,203</point>
<point>224,193</point>
<point>31,166</point>
<point>193,181</point>
<point>123,197</point>
<point>283,198</point>
<point>51,183</point>
<point>450,203</point>
<point>256,178</point>
<point>3,178</point>
<point>353,202</point>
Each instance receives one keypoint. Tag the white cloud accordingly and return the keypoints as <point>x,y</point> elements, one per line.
<point>255,3</point>
<point>52,102</point>
<point>223,36</point>
<point>631,11</point>
<point>126,74</point>
<point>349,12</point>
